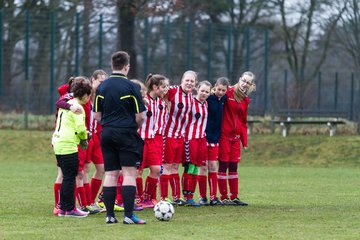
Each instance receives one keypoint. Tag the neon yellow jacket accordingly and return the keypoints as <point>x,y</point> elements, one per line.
<point>70,129</point>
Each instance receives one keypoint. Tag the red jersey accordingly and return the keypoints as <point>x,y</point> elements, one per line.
<point>197,120</point>
<point>180,106</point>
<point>162,114</point>
<point>87,109</point>
<point>62,90</point>
<point>234,119</point>
<point>147,129</point>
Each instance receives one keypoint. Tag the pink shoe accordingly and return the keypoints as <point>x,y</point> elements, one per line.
<point>147,204</point>
<point>61,213</point>
<point>139,200</point>
<point>137,207</point>
<point>56,210</point>
<point>76,213</point>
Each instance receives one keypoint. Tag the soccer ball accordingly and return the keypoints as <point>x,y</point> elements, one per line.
<point>164,211</point>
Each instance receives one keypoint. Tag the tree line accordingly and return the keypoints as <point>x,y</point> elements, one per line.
<point>305,37</point>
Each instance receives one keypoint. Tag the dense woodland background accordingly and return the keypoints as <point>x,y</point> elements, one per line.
<point>305,54</point>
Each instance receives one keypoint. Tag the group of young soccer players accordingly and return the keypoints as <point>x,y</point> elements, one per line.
<point>193,124</point>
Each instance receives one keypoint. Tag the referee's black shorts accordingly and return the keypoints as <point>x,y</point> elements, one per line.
<point>121,147</point>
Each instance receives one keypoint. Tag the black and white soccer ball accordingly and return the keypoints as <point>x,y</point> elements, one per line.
<point>164,211</point>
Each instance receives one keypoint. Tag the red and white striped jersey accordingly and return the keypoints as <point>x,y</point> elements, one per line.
<point>162,114</point>
<point>197,120</point>
<point>95,126</point>
<point>147,129</point>
<point>180,106</point>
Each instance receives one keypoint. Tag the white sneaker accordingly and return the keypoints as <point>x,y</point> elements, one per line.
<point>76,213</point>
<point>96,207</point>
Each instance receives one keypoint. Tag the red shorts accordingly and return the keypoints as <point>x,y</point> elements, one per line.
<point>152,154</point>
<point>174,150</point>
<point>82,158</point>
<point>212,151</point>
<point>198,151</point>
<point>160,139</point>
<point>229,150</point>
<point>94,153</point>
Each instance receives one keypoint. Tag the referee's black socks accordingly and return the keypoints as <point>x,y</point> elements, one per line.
<point>109,194</point>
<point>128,196</point>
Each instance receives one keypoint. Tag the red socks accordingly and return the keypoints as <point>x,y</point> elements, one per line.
<point>222,182</point>
<point>193,185</point>
<point>213,183</point>
<point>150,188</point>
<point>186,185</point>
<point>139,189</point>
<point>164,191</point>
<point>118,190</point>
<point>57,188</point>
<point>202,185</point>
<point>233,179</point>
<point>153,196</point>
<point>175,185</point>
<point>95,186</point>
<point>81,196</point>
<point>88,194</point>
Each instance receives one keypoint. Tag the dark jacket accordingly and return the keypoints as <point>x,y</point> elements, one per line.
<point>213,127</point>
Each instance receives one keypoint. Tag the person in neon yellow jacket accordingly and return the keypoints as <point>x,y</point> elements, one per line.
<point>70,131</point>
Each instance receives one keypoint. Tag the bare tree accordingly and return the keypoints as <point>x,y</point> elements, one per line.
<point>233,19</point>
<point>13,32</point>
<point>127,11</point>
<point>347,34</point>
<point>299,23</point>
<point>88,8</point>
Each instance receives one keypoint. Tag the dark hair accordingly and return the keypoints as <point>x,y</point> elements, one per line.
<point>70,82</point>
<point>154,79</point>
<point>81,86</point>
<point>97,73</point>
<point>223,81</point>
<point>119,60</point>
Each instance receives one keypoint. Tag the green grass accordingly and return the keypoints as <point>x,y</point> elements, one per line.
<point>298,188</point>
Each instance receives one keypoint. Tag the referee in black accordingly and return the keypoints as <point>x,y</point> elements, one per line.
<point>120,108</point>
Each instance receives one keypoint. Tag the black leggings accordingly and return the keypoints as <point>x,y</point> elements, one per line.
<point>69,166</point>
<point>224,166</point>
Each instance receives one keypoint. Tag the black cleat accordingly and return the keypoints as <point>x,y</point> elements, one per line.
<point>110,220</point>
<point>179,202</point>
<point>215,202</point>
<point>238,202</point>
<point>203,201</point>
<point>227,202</point>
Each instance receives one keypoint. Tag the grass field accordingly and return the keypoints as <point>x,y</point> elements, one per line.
<point>301,187</point>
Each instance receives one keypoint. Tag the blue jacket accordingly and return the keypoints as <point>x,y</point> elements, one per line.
<point>213,127</point>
